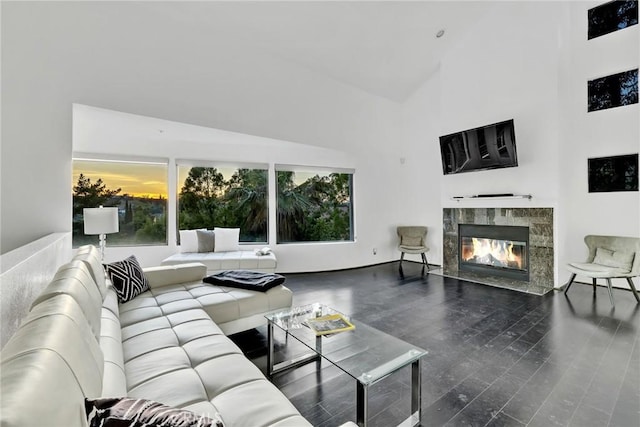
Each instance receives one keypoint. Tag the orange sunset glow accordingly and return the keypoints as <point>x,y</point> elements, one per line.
<point>135,179</point>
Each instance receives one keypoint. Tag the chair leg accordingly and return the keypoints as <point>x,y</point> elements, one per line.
<point>401,258</point>
<point>633,289</point>
<point>594,284</point>
<point>569,283</point>
<point>610,288</point>
<point>424,260</point>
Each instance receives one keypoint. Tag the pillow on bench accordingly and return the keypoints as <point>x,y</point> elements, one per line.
<point>206,240</point>
<point>616,259</point>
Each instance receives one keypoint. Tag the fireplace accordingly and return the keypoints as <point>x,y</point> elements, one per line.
<point>494,249</point>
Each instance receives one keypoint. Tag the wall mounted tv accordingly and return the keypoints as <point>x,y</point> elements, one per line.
<point>487,147</point>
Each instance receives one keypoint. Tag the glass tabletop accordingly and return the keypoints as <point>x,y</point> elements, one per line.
<point>365,353</point>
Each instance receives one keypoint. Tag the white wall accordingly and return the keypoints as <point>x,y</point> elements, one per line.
<point>421,172</point>
<point>530,61</point>
<point>505,68</point>
<point>602,133</point>
<point>121,136</point>
<point>57,54</point>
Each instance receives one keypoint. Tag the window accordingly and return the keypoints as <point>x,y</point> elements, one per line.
<point>224,196</point>
<point>314,206</point>
<point>137,188</point>
<point>612,16</point>
<point>613,91</point>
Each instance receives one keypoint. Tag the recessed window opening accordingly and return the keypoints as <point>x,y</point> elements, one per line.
<point>314,205</point>
<point>137,187</point>
<point>224,195</point>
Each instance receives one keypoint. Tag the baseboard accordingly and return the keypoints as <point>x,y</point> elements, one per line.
<point>431,266</point>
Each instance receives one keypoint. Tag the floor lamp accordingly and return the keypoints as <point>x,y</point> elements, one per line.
<point>100,221</point>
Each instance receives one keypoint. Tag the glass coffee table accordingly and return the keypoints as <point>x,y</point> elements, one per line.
<point>364,353</point>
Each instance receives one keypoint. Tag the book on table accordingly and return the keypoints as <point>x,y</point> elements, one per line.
<point>330,324</point>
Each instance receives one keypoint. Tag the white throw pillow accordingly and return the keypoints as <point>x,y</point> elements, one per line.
<point>227,239</point>
<point>188,241</point>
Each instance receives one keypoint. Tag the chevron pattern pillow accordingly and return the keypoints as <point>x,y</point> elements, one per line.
<point>127,278</point>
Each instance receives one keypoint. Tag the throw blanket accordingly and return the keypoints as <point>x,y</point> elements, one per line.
<point>245,279</point>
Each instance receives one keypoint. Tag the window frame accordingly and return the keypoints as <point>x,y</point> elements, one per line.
<point>191,163</point>
<point>319,170</point>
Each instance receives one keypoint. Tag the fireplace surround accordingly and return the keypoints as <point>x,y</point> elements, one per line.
<point>539,251</point>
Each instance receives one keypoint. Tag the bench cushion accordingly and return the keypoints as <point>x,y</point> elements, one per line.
<point>234,260</point>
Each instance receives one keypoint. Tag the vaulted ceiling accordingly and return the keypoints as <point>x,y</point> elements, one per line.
<point>385,48</point>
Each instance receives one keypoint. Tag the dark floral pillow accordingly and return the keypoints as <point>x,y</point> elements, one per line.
<point>127,278</point>
<point>131,412</point>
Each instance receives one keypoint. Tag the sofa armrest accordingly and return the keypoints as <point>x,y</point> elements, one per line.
<point>174,274</point>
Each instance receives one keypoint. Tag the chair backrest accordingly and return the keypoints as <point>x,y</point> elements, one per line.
<point>615,243</point>
<point>413,235</point>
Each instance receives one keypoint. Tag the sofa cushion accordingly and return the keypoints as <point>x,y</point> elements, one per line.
<point>114,381</point>
<point>227,239</point>
<point>90,255</point>
<point>74,279</point>
<point>129,412</point>
<point>127,277</point>
<point>51,363</point>
<point>616,259</point>
<point>176,274</point>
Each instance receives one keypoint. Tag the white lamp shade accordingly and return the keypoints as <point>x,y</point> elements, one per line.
<point>100,220</point>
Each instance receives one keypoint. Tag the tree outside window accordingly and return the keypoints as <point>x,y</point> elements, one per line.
<point>314,207</point>
<point>138,190</point>
<point>211,197</point>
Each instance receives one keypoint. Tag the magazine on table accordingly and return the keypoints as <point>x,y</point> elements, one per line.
<point>330,324</point>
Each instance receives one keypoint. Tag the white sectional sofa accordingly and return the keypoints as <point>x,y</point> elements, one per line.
<point>232,260</point>
<point>167,344</point>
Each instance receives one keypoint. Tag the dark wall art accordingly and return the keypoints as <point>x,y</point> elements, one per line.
<point>612,91</point>
<point>612,16</point>
<point>616,173</point>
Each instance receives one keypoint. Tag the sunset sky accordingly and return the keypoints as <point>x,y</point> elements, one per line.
<point>145,180</point>
<point>136,179</point>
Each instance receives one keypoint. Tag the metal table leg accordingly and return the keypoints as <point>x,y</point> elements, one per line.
<point>362,404</point>
<point>274,368</point>
<point>269,348</point>
<point>416,392</point>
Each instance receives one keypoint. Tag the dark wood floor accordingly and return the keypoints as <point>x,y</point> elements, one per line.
<point>496,357</point>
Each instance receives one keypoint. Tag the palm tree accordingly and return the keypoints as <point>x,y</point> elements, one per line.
<point>248,199</point>
<point>291,209</point>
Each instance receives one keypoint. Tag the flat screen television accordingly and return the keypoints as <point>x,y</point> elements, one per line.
<point>487,147</point>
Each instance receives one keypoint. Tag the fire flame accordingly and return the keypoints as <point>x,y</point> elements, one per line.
<point>492,252</point>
